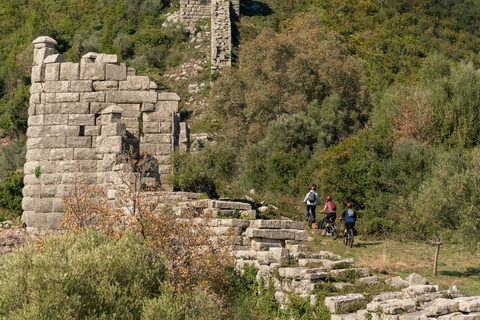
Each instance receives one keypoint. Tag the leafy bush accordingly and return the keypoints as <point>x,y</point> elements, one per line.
<point>83,276</point>
<point>11,194</point>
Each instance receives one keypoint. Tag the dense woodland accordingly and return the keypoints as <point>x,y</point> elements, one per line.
<point>376,102</point>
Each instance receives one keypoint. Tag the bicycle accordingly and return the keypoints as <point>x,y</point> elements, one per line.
<point>333,229</point>
<point>348,238</point>
<point>310,218</point>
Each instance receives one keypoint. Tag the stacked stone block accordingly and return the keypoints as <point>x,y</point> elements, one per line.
<point>81,117</point>
<point>221,35</point>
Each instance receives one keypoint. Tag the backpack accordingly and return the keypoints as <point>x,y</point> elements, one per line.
<point>311,197</point>
<point>350,212</point>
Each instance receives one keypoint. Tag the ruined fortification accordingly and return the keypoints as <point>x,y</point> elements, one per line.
<point>220,12</point>
<point>81,117</point>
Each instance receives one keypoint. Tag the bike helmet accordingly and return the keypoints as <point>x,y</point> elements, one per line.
<point>329,198</point>
<point>349,205</point>
<point>313,188</point>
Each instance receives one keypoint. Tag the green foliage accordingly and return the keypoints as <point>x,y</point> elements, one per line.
<point>208,170</point>
<point>87,276</point>
<point>188,305</point>
<point>11,194</point>
<point>12,156</point>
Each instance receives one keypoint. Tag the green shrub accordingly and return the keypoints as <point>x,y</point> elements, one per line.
<point>84,277</point>
<point>11,194</point>
<point>189,305</point>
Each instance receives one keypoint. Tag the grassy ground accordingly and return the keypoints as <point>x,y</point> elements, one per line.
<point>389,258</point>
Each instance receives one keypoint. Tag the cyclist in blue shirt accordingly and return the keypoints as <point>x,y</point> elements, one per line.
<point>350,217</point>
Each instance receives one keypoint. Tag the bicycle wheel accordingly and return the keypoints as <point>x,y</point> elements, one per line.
<point>345,238</point>
<point>350,238</point>
<point>310,220</point>
<point>334,231</point>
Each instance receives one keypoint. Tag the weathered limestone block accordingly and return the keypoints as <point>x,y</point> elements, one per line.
<point>371,281</point>
<point>233,223</point>
<point>418,315</point>
<point>271,234</point>
<point>84,154</point>
<point>53,58</point>
<point>246,255</point>
<point>109,144</point>
<point>468,304</point>
<point>302,287</point>
<point>167,106</point>
<point>387,296</point>
<point>81,119</point>
<point>230,205</point>
<point>52,72</point>
<point>55,119</point>
<point>79,142</point>
<point>416,290</point>
<point>46,142</point>
<point>441,307</point>
<point>38,73</point>
<point>460,316</point>
<point>82,85</point>
<point>92,71</point>
<point>158,116</point>
<point>57,86</point>
<point>361,272</point>
<point>396,282</point>
<point>37,120</point>
<point>36,88</point>
<point>416,279</point>
<point>116,72</point>
<point>92,97</point>
<point>114,129</point>
<point>63,97</point>
<point>105,85</point>
<point>36,98</point>
<point>131,97</point>
<point>49,108</point>
<point>75,107</point>
<point>392,307</point>
<point>336,303</point>
<point>135,83</point>
<point>60,154</point>
<point>54,219</point>
<point>106,58</point>
<point>161,139</point>
<point>69,71</point>
<point>43,47</point>
<point>278,224</point>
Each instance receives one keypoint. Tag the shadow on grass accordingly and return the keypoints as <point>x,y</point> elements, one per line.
<point>468,273</point>
<point>255,8</point>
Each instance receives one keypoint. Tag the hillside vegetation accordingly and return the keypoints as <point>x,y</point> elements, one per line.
<point>374,102</point>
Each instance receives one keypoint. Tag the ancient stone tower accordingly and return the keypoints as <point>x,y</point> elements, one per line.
<point>219,11</point>
<point>81,117</point>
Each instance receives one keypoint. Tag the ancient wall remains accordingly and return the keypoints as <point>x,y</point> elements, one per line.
<point>221,42</point>
<point>221,32</point>
<point>81,117</point>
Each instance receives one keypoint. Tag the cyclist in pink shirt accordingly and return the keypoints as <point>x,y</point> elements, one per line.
<point>331,215</point>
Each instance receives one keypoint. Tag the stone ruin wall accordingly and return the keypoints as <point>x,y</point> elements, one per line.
<point>81,117</point>
<point>219,11</point>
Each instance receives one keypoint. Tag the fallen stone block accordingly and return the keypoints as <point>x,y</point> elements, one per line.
<point>396,282</point>
<point>261,244</point>
<point>387,296</point>
<point>417,290</point>
<point>246,255</point>
<point>359,272</point>
<point>302,287</point>
<point>279,224</point>
<point>371,281</point>
<point>392,307</point>
<point>414,279</point>
<point>334,304</point>
<point>440,307</point>
<point>418,315</point>
<point>230,205</point>
<point>468,304</point>
<point>282,234</point>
